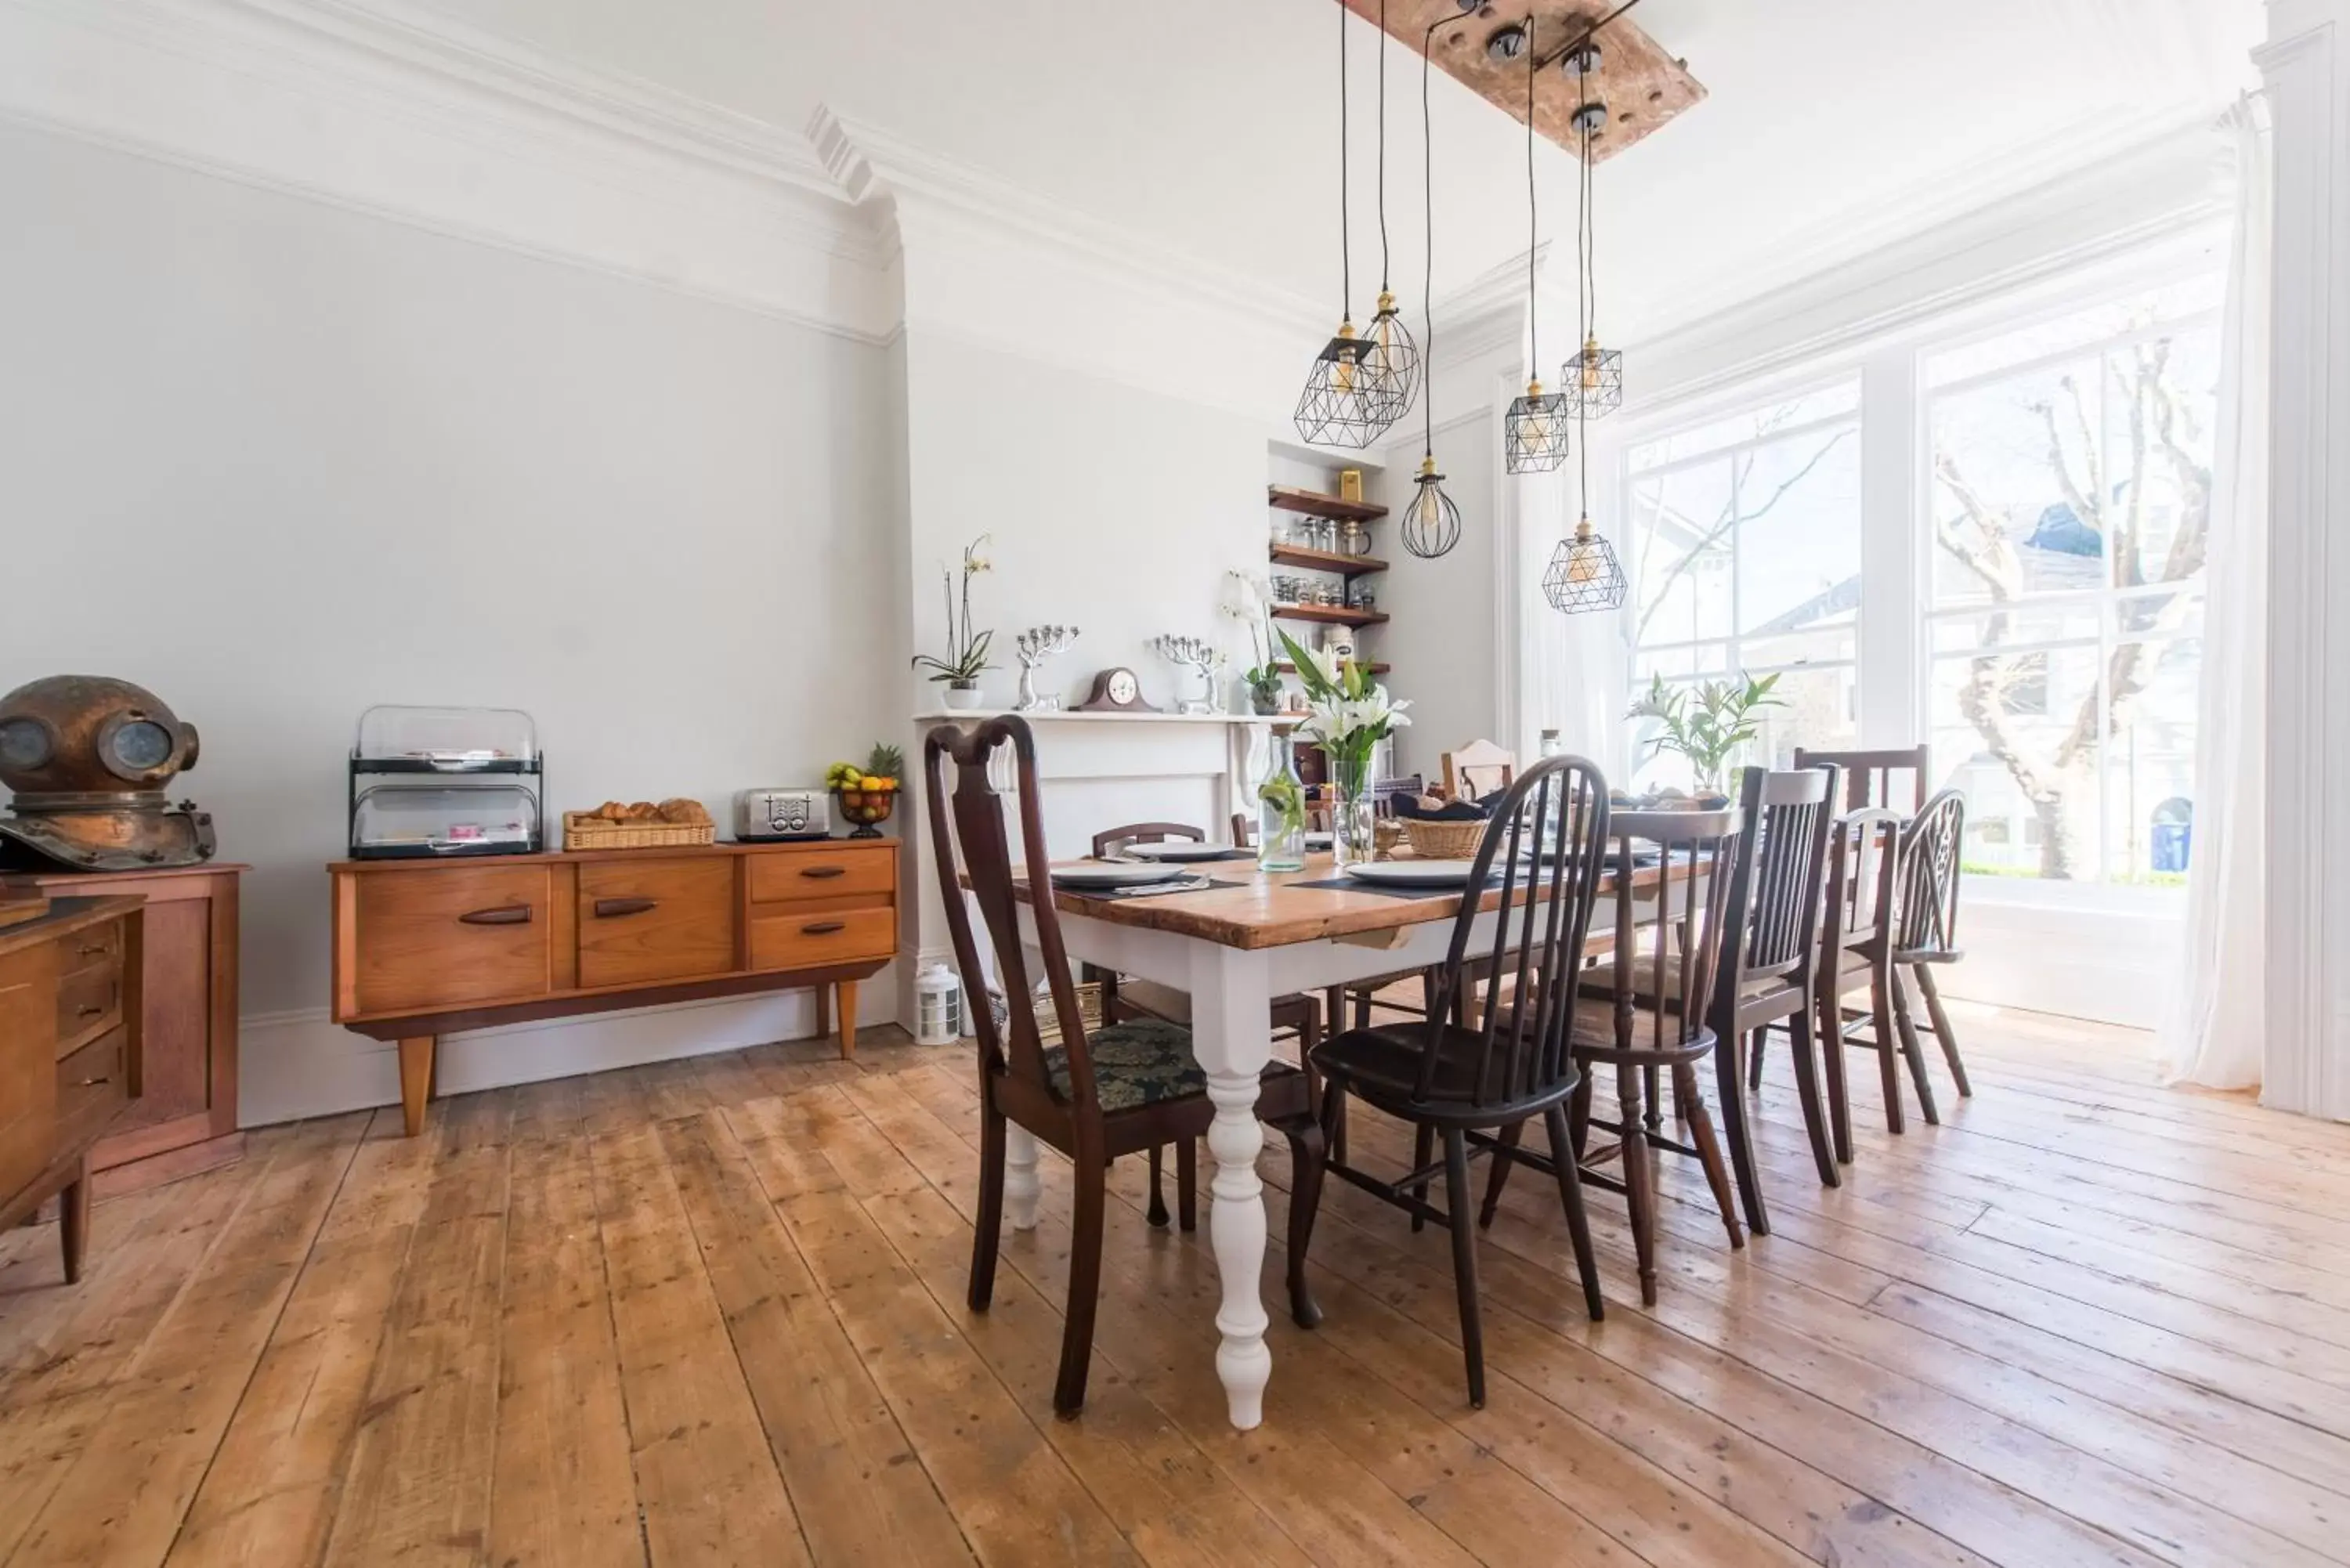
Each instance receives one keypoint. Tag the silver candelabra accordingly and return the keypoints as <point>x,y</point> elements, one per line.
<point>1036,645</point>
<point>1197,655</point>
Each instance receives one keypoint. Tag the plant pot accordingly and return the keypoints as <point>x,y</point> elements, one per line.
<point>1264,700</point>
<point>963,699</point>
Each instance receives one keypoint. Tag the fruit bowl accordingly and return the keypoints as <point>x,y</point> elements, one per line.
<point>866,807</point>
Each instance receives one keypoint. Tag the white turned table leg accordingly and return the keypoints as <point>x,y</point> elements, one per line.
<point>1019,1184</point>
<point>1231,1039</point>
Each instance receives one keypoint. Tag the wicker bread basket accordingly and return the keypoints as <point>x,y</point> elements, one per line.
<point>1444,841</point>
<point>581,831</point>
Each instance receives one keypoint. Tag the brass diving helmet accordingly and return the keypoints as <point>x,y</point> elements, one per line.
<point>89,759</point>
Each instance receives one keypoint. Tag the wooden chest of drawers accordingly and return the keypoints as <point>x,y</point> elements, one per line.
<point>69,1056</point>
<point>425,948</point>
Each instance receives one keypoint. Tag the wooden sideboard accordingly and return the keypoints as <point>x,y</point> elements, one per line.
<point>185,1119</point>
<point>424,947</point>
<point>69,1055</point>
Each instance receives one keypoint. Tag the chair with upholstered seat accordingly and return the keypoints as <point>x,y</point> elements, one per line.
<point>1461,1083</point>
<point>1119,1089</point>
<point>1296,1016</point>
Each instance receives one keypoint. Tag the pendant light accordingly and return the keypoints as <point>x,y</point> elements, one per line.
<point>1431,522</point>
<point>1583,574</point>
<point>1534,432</point>
<point>1593,379</point>
<point>1345,403</point>
<point>1389,354</point>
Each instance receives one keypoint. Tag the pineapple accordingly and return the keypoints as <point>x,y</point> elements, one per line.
<point>887,762</point>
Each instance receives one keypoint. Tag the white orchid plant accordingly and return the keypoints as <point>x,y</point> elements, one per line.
<point>1348,712</point>
<point>1248,599</point>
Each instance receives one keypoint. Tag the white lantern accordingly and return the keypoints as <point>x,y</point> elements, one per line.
<point>937,1006</point>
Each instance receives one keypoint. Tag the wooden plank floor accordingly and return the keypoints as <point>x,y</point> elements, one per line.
<point>711,1311</point>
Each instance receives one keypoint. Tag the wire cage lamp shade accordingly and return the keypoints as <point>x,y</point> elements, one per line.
<point>1593,379</point>
<point>1533,433</point>
<point>1583,574</point>
<point>1344,403</point>
<point>1391,359</point>
<point>1431,522</point>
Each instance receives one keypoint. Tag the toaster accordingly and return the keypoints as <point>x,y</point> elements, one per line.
<point>766,815</point>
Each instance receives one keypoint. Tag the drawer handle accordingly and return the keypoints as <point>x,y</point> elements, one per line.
<point>90,1083</point>
<point>95,950</point>
<point>820,872</point>
<point>822,928</point>
<point>91,1010</point>
<point>505,915</point>
<point>606,908</point>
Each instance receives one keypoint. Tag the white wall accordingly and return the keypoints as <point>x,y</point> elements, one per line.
<point>278,462</point>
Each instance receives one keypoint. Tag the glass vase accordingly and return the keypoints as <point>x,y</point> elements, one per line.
<point>1350,808</point>
<point>1281,812</point>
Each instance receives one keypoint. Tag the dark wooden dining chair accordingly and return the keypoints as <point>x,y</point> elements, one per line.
<point>1462,1084</point>
<point>1926,923</point>
<point>1895,778</point>
<point>1125,997</point>
<point>1099,1094</point>
<point>1856,957</point>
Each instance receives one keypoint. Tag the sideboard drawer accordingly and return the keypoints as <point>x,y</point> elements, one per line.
<point>101,947</point>
<point>90,1002</point>
<point>451,936</point>
<point>93,1083</point>
<point>808,938</point>
<point>826,873</point>
<point>654,919</point>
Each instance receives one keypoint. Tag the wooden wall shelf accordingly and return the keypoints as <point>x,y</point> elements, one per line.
<point>1327,560</point>
<point>1330,614</point>
<point>1314,504</point>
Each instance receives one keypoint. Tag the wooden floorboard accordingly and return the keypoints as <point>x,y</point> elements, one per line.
<point>712,1312</point>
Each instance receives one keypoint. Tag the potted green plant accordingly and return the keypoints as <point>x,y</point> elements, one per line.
<point>1347,715</point>
<point>1709,723</point>
<point>966,654</point>
<point>1249,600</point>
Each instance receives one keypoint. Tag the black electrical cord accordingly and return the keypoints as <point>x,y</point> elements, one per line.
<point>1533,337</point>
<point>1345,262</point>
<point>1383,145</point>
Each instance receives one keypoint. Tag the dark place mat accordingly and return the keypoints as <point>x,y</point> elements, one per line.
<point>1235,853</point>
<point>1166,889</point>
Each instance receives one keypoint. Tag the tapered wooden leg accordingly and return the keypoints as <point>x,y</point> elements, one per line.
<point>1831,1026</point>
<point>1085,1289</point>
<point>848,988</point>
<point>1709,1152</point>
<point>1805,1050</point>
<point>1578,1111</point>
<point>1570,1193</point>
<point>1730,1086</point>
<point>1156,1213</point>
<point>1639,1189</point>
<point>822,1011</point>
<point>1499,1177</point>
<point>1942,1030</point>
<point>1906,1026</point>
<point>1308,1153</point>
<point>415,1080</point>
<point>1464,1262</point>
<point>987,1225</point>
<point>1882,1032</point>
<point>1423,1152</point>
<point>1187,1185</point>
<point>73,1221</point>
<point>1754,1059</point>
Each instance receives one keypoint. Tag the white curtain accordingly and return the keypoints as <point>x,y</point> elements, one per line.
<point>1574,673</point>
<point>2211,1030</point>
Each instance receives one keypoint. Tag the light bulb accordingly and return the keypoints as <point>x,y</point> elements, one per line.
<point>1591,363</point>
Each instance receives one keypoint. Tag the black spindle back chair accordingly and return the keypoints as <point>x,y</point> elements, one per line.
<point>1925,926</point>
<point>1543,851</point>
<point>1125,1087</point>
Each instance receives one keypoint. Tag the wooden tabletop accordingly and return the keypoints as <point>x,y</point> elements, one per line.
<point>1270,910</point>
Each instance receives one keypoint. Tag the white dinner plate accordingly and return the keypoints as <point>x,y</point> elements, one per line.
<point>1180,850</point>
<point>1413,873</point>
<point>1105,873</point>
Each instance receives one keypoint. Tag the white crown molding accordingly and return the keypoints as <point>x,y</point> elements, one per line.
<point>379,110</point>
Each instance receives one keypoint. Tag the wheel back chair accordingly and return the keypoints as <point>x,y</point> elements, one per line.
<point>1125,998</point>
<point>1461,1082</point>
<point>1925,933</point>
<point>1116,1090</point>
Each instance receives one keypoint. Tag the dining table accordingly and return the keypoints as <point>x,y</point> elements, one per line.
<point>1233,947</point>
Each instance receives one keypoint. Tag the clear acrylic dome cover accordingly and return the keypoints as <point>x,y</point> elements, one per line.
<point>425,819</point>
<point>452,738</point>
